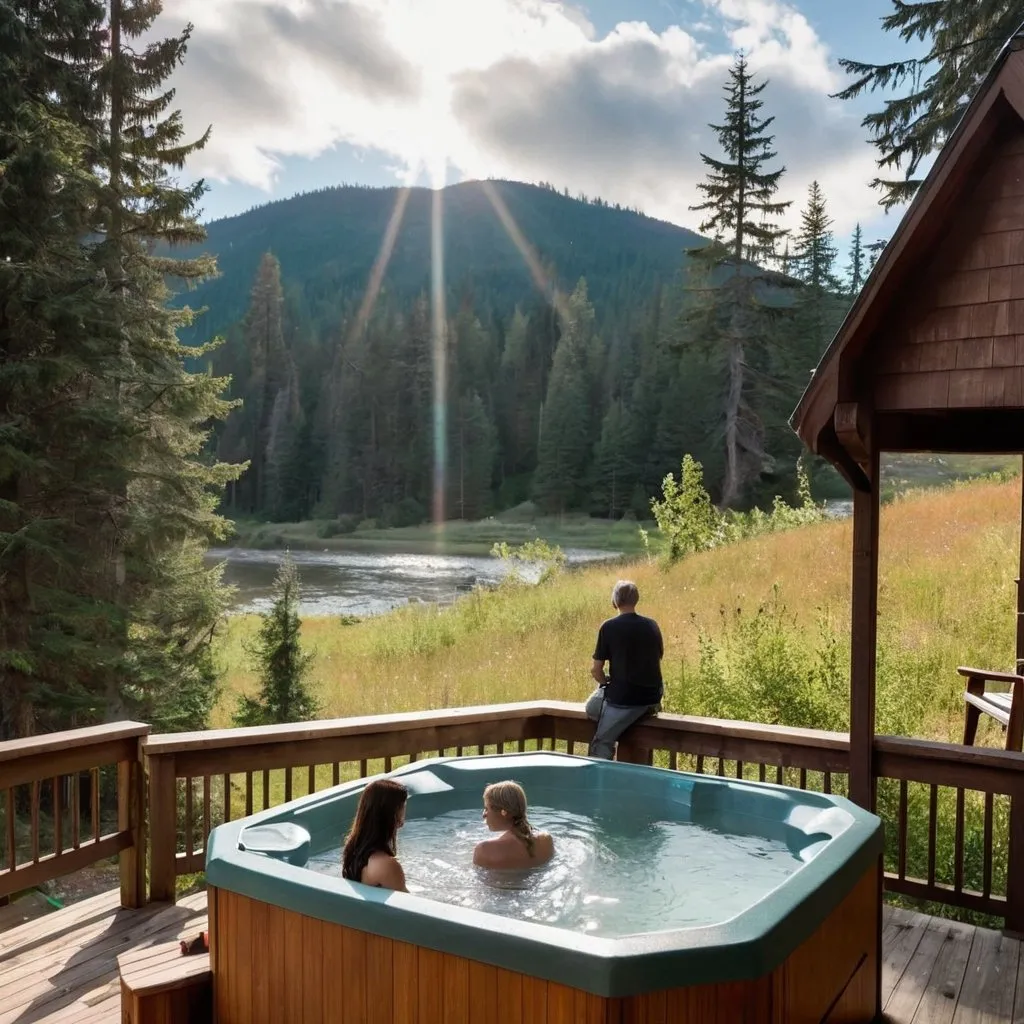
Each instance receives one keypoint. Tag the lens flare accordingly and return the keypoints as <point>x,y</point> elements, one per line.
<point>439,329</point>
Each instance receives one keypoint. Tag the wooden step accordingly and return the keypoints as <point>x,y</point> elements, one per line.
<point>160,986</point>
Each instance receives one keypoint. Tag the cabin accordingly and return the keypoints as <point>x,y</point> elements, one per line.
<point>930,359</point>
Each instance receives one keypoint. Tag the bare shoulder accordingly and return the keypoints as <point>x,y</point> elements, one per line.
<point>385,871</point>
<point>543,845</point>
<point>488,854</point>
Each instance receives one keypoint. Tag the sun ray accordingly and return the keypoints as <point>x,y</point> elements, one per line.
<point>380,264</point>
<point>547,287</point>
<point>439,327</point>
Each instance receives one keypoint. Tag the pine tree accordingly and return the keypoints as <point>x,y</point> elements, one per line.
<point>739,192</point>
<point>565,433</point>
<point>818,309</point>
<point>855,268</point>
<point>280,662</point>
<point>729,316</point>
<point>965,39</point>
<point>615,463</point>
<point>473,451</point>
<point>106,503</point>
<point>263,333</point>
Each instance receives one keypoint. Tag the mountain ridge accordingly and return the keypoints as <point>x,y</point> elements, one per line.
<point>328,240</point>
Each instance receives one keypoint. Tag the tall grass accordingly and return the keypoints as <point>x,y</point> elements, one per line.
<point>758,629</point>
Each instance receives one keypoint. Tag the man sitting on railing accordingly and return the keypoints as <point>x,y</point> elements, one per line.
<point>632,689</point>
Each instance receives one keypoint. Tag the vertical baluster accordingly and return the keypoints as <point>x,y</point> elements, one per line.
<point>227,795</point>
<point>76,812</point>
<point>288,784</point>
<point>362,769</point>
<point>673,761</point>
<point>458,751</point>
<point>522,746</point>
<point>986,885</point>
<point>700,764</point>
<point>828,782</point>
<point>188,816</point>
<point>760,772</point>
<point>35,822</point>
<point>336,771</point>
<point>12,841</point>
<point>266,788</point>
<point>739,769</point>
<point>412,757</point>
<point>311,782</point>
<point>95,806</point>
<point>933,818</point>
<point>721,768</point>
<point>778,775</point>
<point>803,778</point>
<point>901,832</point>
<point>58,815</point>
<point>248,793</point>
<point>387,764</point>
<point>958,843</point>
<point>207,800</point>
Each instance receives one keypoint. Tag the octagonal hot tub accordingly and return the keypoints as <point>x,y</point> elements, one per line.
<point>671,897</point>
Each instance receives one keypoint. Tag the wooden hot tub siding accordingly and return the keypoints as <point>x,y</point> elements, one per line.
<point>274,966</point>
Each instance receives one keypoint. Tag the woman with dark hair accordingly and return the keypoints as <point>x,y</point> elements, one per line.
<point>370,853</point>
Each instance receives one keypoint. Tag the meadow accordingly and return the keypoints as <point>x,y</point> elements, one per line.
<point>757,630</point>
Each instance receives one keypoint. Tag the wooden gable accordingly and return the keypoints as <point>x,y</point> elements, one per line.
<point>931,356</point>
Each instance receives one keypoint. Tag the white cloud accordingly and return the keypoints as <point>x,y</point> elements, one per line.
<point>512,88</point>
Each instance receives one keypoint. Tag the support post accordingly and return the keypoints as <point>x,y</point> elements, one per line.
<point>131,817</point>
<point>863,636</point>
<point>163,828</point>
<point>1020,583</point>
<point>1015,864</point>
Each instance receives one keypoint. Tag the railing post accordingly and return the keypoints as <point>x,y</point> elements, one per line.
<point>163,828</point>
<point>1015,863</point>
<point>131,817</point>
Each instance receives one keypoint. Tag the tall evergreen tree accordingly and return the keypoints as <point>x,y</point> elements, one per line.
<point>730,314</point>
<point>963,40</point>
<point>566,438</point>
<point>106,503</point>
<point>616,466</point>
<point>855,269</point>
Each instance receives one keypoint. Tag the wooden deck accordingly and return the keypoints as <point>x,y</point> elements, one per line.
<point>63,967</point>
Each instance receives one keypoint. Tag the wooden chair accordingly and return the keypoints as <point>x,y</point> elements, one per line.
<point>1005,706</point>
<point>160,986</point>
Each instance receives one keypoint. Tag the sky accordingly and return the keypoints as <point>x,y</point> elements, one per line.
<point>606,97</point>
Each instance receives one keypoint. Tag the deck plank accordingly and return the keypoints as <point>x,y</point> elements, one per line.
<point>990,981</point>
<point>938,1003</point>
<point>902,933</point>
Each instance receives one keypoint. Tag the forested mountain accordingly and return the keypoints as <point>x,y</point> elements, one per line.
<point>327,242</point>
<point>576,375</point>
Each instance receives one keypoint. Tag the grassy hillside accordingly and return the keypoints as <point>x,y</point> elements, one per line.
<point>758,630</point>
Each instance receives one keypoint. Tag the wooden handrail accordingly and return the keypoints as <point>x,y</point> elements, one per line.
<point>49,764</point>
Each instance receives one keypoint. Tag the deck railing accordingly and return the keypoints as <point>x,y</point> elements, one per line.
<point>954,815</point>
<point>55,815</point>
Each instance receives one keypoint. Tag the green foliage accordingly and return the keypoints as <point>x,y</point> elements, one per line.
<point>689,521</point>
<point>537,553</point>
<point>963,42</point>
<point>756,667</point>
<point>107,500</point>
<point>282,665</point>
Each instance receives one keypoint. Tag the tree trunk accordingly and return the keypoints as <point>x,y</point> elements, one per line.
<point>732,483</point>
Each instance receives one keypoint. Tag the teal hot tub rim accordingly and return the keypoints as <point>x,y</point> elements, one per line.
<point>749,945</point>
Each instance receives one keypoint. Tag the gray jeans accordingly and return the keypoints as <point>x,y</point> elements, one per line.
<point>612,721</point>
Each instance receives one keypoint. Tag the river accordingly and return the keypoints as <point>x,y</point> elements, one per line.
<point>356,583</point>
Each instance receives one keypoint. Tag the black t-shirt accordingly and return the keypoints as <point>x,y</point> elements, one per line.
<point>632,644</point>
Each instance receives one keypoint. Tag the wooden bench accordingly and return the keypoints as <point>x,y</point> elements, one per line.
<point>1006,707</point>
<point>160,986</point>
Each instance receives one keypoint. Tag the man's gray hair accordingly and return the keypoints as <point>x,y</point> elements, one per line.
<point>625,594</point>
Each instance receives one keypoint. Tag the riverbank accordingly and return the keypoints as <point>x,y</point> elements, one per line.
<point>457,537</point>
<point>758,630</point>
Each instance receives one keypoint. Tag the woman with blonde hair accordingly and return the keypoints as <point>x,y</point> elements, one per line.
<point>518,845</point>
